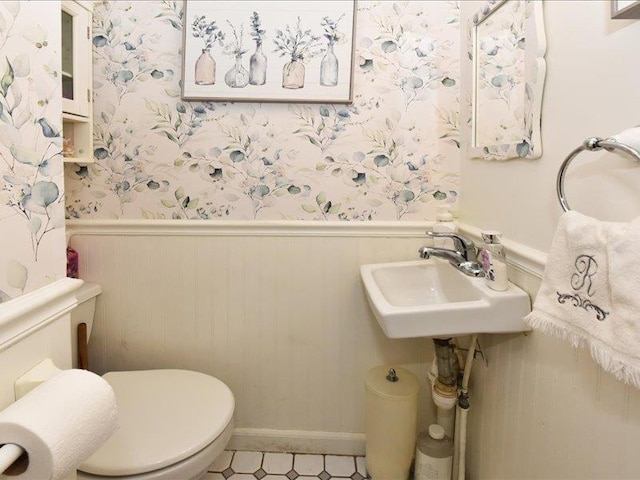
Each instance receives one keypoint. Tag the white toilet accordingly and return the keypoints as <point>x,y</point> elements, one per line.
<point>173,423</point>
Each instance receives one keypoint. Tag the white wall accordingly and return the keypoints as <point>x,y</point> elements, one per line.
<point>543,409</point>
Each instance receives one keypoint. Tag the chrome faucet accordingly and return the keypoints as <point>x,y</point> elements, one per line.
<point>463,256</point>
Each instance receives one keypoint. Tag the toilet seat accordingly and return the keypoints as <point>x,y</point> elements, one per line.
<point>166,416</point>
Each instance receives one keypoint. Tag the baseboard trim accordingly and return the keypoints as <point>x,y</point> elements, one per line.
<point>296,441</point>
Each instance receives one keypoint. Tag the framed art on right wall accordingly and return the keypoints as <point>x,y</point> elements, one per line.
<point>625,9</point>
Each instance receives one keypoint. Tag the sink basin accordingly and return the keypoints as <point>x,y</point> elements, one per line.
<point>430,298</point>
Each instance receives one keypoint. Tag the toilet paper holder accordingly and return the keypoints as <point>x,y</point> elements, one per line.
<point>10,452</point>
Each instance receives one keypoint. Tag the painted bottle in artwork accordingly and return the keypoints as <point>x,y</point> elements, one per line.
<point>258,61</point>
<point>258,67</point>
<point>300,46</point>
<point>293,75</point>
<point>205,69</point>
<point>329,68</point>
<point>237,76</point>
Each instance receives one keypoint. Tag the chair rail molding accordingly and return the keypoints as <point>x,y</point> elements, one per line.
<point>32,311</point>
<point>521,257</point>
<point>247,228</point>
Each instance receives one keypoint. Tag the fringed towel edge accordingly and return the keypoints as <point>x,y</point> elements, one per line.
<point>622,367</point>
<point>548,325</point>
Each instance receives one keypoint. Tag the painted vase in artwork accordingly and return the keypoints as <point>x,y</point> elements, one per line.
<point>258,67</point>
<point>293,75</point>
<point>237,76</point>
<point>205,69</point>
<point>329,68</point>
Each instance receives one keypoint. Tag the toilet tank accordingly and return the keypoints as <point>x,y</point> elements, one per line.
<point>83,313</point>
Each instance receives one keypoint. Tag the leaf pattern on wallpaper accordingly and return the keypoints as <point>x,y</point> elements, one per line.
<point>171,12</point>
<point>179,122</point>
<point>322,125</point>
<point>31,200</point>
<point>407,52</point>
<point>253,163</point>
<point>391,155</point>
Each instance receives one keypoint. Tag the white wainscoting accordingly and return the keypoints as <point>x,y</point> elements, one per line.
<point>275,310</point>
<point>279,314</point>
<point>544,410</point>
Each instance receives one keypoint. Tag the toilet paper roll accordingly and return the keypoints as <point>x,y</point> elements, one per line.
<point>60,423</point>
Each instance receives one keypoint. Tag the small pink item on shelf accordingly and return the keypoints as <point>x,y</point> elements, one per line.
<point>72,263</point>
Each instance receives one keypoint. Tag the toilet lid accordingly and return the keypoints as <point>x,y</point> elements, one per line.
<point>165,416</point>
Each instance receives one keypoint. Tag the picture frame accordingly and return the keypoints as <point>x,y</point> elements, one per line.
<point>269,51</point>
<point>625,9</point>
<point>507,47</point>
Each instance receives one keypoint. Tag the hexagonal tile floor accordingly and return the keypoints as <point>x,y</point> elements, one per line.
<point>240,465</point>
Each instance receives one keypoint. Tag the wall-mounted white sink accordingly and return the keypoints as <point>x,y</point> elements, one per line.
<point>430,298</point>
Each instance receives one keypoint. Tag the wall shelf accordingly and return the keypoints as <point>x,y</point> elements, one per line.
<point>77,107</point>
<point>79,130</point>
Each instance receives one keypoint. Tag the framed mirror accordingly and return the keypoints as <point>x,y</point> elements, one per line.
<point>507,45</point>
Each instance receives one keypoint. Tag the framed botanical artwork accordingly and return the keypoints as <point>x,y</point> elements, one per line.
<point>268,51</point>
<point>625,9</point>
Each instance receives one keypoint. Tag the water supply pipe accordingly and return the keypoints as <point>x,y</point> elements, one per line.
<point>462,410</point>
<point>444,388</point>
<point>447,362</point>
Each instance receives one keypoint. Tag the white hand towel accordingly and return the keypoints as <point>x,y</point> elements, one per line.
<point>630,137</point>
<point>589,292</point>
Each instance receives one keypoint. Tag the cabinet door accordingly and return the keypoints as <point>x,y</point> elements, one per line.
<point>76,59</point>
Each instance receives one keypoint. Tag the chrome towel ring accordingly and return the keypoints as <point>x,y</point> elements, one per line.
<point>592,144</point>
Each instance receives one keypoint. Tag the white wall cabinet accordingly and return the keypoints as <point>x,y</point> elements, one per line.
<point>77,106</point>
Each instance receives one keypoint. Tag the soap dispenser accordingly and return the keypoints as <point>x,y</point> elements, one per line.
<point>444,224</point>
<point>494,262</point>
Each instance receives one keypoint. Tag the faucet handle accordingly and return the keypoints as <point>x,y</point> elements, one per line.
<point>462,244</point>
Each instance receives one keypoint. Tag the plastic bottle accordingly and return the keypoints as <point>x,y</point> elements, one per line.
<point>434,455</point>
<point>444,224</point>
<point>494,261</point>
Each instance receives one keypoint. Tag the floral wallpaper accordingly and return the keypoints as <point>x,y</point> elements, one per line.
<point>32,244</point>
<point>391,155</point>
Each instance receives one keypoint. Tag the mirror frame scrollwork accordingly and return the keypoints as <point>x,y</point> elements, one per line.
<point>530,144</point>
